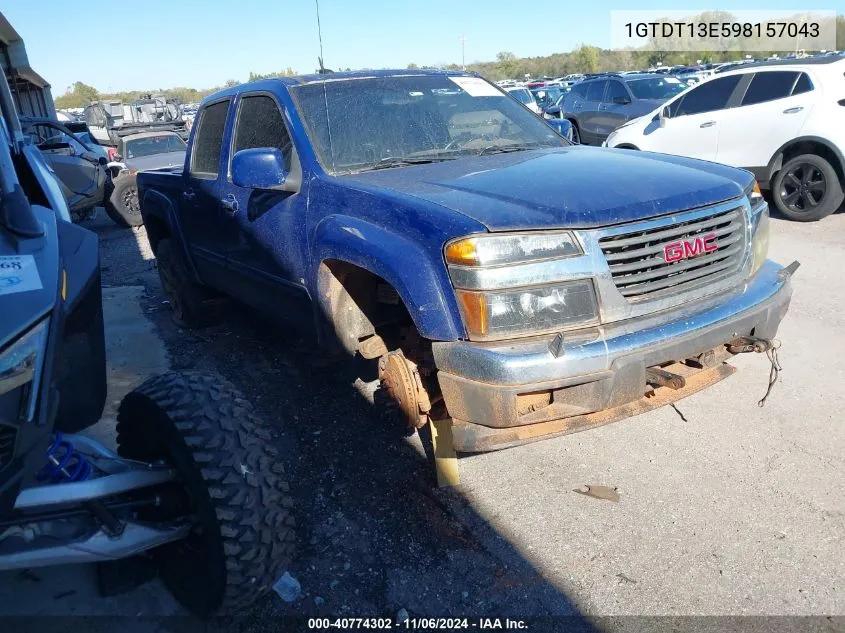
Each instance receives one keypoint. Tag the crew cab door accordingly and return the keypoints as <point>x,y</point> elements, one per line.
<point>694,122</point>
<point>614,109</point>
<point>772,112</point>
<point>266,253</point>
<point>209,229</point>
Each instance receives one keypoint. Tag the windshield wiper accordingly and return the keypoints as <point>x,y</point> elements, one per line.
<point>401,161</point>
<point>503,149</point>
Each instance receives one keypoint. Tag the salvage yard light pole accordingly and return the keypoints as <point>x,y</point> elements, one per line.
<point>463,41</point>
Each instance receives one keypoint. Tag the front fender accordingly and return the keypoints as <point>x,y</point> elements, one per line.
<point>417,276</point>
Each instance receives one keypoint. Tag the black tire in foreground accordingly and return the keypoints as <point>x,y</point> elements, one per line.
<point>122,204</point>
<point>188,299</point>
<point>807,188</point>
<point>233,483</point>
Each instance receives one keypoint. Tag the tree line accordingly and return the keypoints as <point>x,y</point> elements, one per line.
<point>583,59</point>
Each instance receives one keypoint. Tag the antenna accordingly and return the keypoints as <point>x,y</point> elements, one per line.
<point>322,71</point>
<point>319,37</point>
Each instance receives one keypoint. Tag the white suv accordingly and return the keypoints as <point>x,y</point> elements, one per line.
<point>784,121</point>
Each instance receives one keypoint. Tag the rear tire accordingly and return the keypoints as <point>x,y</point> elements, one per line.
<point>122,204</point>
<point>243,537</point>
<point>187,298</point>
<point>807,188</point>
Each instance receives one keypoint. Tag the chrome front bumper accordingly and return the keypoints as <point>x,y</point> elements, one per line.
<point>499,384</point>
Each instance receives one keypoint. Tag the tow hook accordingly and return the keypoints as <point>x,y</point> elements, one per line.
<point>746,344</point>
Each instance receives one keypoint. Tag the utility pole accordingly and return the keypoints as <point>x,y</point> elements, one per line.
<point>463,41</point>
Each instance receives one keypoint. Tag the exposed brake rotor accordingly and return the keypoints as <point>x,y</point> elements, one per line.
<point>401,378</point>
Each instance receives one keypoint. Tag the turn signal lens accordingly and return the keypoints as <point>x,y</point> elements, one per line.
<point>462,252</point>
<point>757,188</point>
<point>473,306</point>
<point>510,248</point>
<point>760,239</point>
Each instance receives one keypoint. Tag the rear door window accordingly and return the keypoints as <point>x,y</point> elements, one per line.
<point>802,85</point>
<point>205,154</point>
<point>709,96</point>
<point>580,90</point>
<point>768,86</point>
<point>595,90</point>
<point>615,89</point>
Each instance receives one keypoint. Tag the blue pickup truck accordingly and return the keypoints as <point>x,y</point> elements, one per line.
<point>499,276</point>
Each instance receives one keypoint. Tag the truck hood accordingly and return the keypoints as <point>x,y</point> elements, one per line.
<point>568,187</point>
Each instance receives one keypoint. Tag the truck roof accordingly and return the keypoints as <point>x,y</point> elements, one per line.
<point>270,84</point>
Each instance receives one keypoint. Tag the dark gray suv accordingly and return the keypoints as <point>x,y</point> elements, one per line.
<point>600,104</point>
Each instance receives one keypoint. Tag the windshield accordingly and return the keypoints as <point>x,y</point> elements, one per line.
<point>656,87</point>
<point>150,145</point>
<point>391,121</point>
<point>522,95</point>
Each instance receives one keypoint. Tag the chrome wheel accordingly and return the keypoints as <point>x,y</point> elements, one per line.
<point>130,201</point>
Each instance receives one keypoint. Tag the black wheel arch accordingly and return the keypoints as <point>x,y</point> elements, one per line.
<point>806,145</point>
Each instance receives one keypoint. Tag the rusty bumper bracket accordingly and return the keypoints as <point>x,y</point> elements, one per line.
<point>662,378</point>
<point>475,438</point>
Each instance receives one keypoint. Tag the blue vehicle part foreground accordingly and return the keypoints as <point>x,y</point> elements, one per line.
<point>502,277</point>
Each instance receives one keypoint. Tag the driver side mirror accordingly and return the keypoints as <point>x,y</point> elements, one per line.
<point>663,115</point>
<point>259,168</point>
<point>622,100</point>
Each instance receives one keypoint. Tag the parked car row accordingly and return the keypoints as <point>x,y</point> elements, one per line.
<point>92,175</point>
<point>784,121</point>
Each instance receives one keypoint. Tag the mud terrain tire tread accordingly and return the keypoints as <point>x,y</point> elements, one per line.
<point>232,473</point>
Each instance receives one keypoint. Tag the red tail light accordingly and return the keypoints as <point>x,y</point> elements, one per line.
<point>112,151</point>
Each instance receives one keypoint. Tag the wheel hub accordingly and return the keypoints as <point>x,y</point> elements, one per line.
<point>130,201</point>
<point>401,379</point>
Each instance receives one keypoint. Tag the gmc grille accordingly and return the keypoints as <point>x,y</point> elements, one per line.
<point>640,270</point>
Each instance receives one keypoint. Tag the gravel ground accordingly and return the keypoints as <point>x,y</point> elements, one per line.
<point>726,508</point>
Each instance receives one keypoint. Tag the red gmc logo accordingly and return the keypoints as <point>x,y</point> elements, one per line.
<point>689,248</point>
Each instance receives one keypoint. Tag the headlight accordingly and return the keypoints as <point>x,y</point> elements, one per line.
<point>499,314</point>
<point>492,250</point>
<point>760,237</point>
<point>753,193</point>
<point>22,362</point>
<point>497,310</point>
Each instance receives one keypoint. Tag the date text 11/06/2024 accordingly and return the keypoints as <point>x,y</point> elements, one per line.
<point>419,624</point>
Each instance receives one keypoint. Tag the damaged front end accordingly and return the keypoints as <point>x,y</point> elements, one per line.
<point>672,300</point>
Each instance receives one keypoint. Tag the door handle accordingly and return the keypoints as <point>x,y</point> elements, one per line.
<point>793,110</point>
<point>229,204</point>
<point>708,124</point>
<point>189,195</point>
